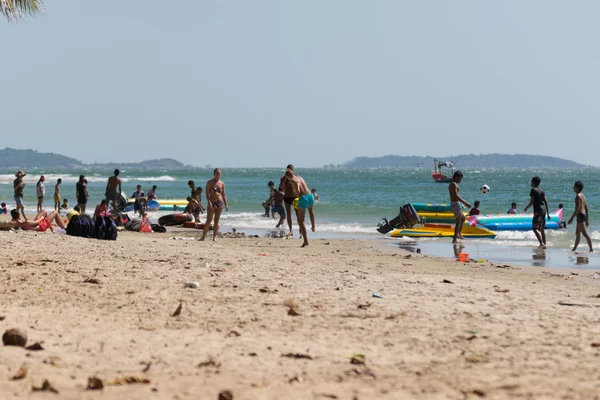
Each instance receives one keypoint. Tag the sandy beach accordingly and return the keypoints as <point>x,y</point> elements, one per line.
<point>443,329</point>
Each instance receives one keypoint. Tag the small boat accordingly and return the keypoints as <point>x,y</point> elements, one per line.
<point>444,230</point>
<point>437,171</point>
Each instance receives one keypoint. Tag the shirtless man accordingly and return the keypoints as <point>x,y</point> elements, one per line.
<point>582,214</point>
<point>289,197</point>
<point>306,200</point>
<point>455,201</point>
<point>111,192</point>
<point>41,223</point>
<point>194,208</point>
<point>196,194</point>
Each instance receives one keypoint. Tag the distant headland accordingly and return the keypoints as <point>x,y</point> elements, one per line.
<point>28,159</point>
<point>465,161</point>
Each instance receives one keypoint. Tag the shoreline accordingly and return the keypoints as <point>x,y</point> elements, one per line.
<point>443,329</point>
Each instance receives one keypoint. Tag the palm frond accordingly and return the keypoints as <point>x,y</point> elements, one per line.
<point>14,10</point>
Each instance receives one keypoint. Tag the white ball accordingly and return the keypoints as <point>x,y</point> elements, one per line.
<point>485,189</point>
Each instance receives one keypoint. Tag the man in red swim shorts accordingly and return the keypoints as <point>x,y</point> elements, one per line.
<point>41,223</point>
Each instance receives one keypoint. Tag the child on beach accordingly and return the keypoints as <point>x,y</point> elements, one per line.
<point>101,209</point>
<point>40,192</point>
<point>455,201</point>
<point>582,214</point>
<point>57,194</point>
<point>475,210</point>
<point>314,193</point>
<point>540,210</point>
<point>278,207</point>
<point>65,204</point>
<point>3,210</point>
<point>512,209</point>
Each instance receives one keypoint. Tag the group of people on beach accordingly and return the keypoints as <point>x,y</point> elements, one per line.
<point>537,200</point>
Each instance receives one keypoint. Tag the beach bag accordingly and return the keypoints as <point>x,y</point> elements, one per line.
<point>158,228</point>
<point>99,228</point>
<point>110,228</point>
<point>81,226</point>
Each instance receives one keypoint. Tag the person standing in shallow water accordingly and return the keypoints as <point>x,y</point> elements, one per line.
<point>81,193</point>
<point>289,195</point>
<point>455,201</point>
<point>540,210</point>
<point>582,214</point>
<point>217,200</point>
<point>306,201</point>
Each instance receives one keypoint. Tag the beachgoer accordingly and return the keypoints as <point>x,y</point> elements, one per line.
<point>40,192</point>
<point>81,193</point>
<point>278,207</point>
<point>41,223</point>
<point>582,214</point>
<point>196,194</point>
<point>512,209</point>
<point>215,195</point>
<point>18,186</point>
<point>74,211</point>
<point>3,210</point>
<point>314,193</point>
<point>455,201</point>
<point>306,201</point>
<point>540,210</point>
<point>289,197</point>
<point>65,204</point>
<point>151,193</point>
<point>193,207</point>
<point>113,190</point>
<point>475,210</point>
<point>101,209</point>
<point>140,202</point>
<point>57,194</point>
<point>269,202</point>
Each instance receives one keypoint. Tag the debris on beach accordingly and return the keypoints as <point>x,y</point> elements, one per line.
<point>292,306</point>
<point>45,387</point>
<point>497,289</point>
<point>364,306</point>
<point>92,279</point>
<point>378,296</point>
<point>21,373</point>
<point>297,356</point>
<point>14,337</point>
<point>178,310</point>
<point>233,334</point>
<point>209,363</point>
<point>226,395</point>
<point>95,384</point>
<point>596,344</point>
<point>447,281</point>
<point>192,285</point>
<point>356,358</point>
<point>127,380</point>
<point>35,347</point>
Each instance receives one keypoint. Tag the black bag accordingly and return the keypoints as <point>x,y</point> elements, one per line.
<point>81,226</point>
<point>158,228</point>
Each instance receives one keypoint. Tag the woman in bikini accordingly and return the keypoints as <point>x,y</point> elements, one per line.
<point>215,194</point>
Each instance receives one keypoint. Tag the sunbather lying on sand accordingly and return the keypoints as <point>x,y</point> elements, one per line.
<point>41,223</point>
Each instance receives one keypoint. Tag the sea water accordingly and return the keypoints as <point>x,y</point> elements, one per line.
<point>352,201</point>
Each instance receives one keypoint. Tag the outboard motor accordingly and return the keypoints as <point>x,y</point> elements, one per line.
<point>407,218</point>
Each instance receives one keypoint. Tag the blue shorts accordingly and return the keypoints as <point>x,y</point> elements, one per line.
<point>19,200</point>
<point>308,200</point>
<point>279,210</point>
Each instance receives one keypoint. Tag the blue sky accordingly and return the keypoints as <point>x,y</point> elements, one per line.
<point>266,83</point>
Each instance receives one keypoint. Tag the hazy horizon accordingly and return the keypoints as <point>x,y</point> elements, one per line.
<point>244,84</point>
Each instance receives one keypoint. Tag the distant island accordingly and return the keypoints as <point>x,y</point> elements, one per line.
<point>27,159</point>
<point>465,161</point>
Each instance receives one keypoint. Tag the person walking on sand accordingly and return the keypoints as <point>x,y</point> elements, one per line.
<point>40,192</point>
<point>57,194</point>
<point>306,200</point>
<point>215,195</point>
<point>113,190</point>
<point>81,193</point>
<point>289,196</point>
<point>18,186</point>
<point>582,214</point>
<point>455,201</point>
<point>540,210</point>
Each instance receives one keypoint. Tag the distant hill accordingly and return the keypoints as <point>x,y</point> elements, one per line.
<point>465,161</point>
<point>27,159</point>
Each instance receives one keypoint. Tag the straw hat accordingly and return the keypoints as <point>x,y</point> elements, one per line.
<point>20,173</point>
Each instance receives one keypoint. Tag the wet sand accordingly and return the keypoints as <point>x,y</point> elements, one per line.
<point>443,329</point>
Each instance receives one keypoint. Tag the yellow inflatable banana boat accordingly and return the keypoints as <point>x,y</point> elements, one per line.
<point>443,230</point>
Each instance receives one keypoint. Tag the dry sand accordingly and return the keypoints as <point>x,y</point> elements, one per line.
<point>445,330</point>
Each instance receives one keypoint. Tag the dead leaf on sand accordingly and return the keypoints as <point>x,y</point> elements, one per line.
<point>127,380</point>
<point>475,359</point>
<point>447,281</point>
<point>94,383</point>
<point>327,395</point>
<point>3,317</point>
<point>209,363</point>
<point>297,356</point>
<point>596,344</point>
<point>295,378</point>
<point>569,304</point>
<point>178,310</point>
<point>234,334</point>
<point>293,312</point>
<point>92,280</point>
<point>497,289</point>
<point>147,367</point>
<point>21,373</point>
<point>226,395</point>
<point>407,256</point>
<point>469,338</point>
<point>364,306</point>
<point>45,387</point>
<point>35,347</point>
